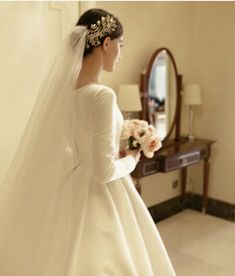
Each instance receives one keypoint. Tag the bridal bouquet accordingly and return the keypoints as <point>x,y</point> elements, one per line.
<point>141,135</point>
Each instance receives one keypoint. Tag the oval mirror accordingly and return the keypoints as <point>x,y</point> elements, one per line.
<point>162,92</point>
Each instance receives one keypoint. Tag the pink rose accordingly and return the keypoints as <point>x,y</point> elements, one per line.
<point>150,146</point>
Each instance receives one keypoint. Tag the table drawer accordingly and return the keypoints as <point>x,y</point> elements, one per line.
<point>179,161</point>
<point>150,167</point>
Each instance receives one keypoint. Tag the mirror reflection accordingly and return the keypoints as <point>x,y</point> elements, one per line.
<point>162,92</point>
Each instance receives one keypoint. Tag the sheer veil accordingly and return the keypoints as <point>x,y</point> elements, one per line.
<point>33,196</point>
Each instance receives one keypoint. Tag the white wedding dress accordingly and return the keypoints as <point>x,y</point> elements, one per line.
<point>119,235</point>
<point>96,225</point>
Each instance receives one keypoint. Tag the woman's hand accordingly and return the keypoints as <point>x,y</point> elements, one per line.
<point>134,153</point>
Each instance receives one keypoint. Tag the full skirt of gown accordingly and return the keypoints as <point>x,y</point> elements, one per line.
<point>96,225</point>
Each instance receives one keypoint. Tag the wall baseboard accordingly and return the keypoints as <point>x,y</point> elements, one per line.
<point>193,201</point>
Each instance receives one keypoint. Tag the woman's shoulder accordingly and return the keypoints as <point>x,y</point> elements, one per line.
<point>104,88</point>
<point>95,87</point>
<point>97,93</point>
<point>103,91</point>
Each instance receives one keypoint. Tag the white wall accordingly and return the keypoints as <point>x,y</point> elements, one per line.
<point>214,62</point>
<point>30,33</point>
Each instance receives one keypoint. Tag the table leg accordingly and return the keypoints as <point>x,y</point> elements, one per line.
<point>183,183</point>
<point>205,183</point>
<point>138,186</point>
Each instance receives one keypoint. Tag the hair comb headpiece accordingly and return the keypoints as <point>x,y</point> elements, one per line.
<point>106,25</point>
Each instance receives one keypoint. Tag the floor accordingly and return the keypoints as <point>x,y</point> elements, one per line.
<point>198,244</point>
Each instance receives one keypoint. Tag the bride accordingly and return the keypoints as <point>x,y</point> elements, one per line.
<point>68,206</point>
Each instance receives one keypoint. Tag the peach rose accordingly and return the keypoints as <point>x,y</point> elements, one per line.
<point>150,146</point>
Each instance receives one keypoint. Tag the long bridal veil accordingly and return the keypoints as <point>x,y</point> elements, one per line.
<point>36,214</point>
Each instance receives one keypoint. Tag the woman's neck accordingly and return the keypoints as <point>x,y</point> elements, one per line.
<point>91,70</point>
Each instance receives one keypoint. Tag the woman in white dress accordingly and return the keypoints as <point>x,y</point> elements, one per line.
<point>68,206</point>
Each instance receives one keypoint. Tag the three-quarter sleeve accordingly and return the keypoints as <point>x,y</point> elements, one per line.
<point>105,166</point>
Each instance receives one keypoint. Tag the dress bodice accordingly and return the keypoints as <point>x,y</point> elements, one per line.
<point>99,126</point>
<point>85,113</point>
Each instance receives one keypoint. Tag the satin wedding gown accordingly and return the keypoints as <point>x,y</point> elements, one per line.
<point>96,225</point>
<point>120,237</point>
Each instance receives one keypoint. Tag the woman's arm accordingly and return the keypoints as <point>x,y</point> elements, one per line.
<point>105,167</point>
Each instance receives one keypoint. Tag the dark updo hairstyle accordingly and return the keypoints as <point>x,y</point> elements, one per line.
<point>91,17</point>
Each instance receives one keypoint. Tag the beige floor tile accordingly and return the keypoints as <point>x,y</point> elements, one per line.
<point>186,265</point>
<point>217,247</point>
<point>228,270</point>
<point>199,244</point>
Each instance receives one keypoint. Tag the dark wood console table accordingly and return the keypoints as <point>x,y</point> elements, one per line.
<point>176,155</point>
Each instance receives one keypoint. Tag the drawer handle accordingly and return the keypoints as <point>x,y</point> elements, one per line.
<point>184,161</point>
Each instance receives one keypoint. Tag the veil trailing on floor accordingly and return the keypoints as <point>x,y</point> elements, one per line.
<point>33,196</point>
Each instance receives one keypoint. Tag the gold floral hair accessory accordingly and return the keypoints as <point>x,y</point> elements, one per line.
<point>106,25</point>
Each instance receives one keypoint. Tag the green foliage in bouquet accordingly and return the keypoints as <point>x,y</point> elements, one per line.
<point>132,143</point>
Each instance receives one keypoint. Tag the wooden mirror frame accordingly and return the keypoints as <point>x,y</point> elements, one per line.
<point>144,85</point>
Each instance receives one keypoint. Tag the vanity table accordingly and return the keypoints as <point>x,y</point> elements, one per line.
<point>160,88</point>
<point>177,155</point>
